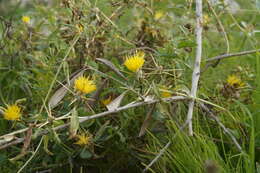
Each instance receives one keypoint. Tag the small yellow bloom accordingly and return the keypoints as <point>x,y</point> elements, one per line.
<point>84,139</point>
<point>206,19</point>
<point>80,28</point>
<point>84,85</point>
<point>158,15</point>
<point>12,112</point>
<point>26,19</point>
<point>234,81</point>
<point>165,92</point>
<point>135,62</point>
<point>106,101</point>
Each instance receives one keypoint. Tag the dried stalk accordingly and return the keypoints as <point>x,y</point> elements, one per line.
<point>220,24</point>
<point>196,69</point>
<point>220,57</point>
<point>147,120</point>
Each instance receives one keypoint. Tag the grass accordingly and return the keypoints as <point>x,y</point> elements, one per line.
<point>65,37</point>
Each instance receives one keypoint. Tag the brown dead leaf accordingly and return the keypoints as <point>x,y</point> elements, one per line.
<point>146,121</point>
<point>26,144</point>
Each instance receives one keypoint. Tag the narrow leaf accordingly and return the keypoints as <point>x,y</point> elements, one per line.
<point>45,144</point>
<point>74,123</point>
<point>111,66</point>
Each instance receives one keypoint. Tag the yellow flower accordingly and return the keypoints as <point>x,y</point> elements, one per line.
<point>165,92</point>
<point>26,19</point>
<point>80,28</point>
<point>12,112</point>
<point>84,139</point>
<point>84,85</point>
<point>135,62</point>
<point>106,101</point>
<point>206,19</point>
<point>158,15</point>
<point>234,81</point>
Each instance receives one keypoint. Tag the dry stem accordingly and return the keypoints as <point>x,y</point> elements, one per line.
<point>196,69</point>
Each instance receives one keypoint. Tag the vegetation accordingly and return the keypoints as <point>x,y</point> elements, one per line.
<point>104,86</point>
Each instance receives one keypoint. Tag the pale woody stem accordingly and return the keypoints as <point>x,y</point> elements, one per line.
<point>196,69</point>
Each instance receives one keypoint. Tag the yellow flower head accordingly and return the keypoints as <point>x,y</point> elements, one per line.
<point>165,92</point>
<point>106,101</point>
<point>12,112</point>
<point>234,81</point>
<point>84,85</point>
<point>84,139</point>
<point>135,62</point>
<point>206,19</point>
<point>80,28</point>
<point>158,15</point>
<point>26,19</point>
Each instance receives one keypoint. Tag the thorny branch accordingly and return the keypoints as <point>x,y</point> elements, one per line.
<point>220,57</point>
<point>99,115</point>
<point>196,69</point>
<point>214,61</point>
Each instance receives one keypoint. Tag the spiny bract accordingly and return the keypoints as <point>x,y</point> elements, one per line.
<point>84,85</point>
<point>135,62</point>
<point>12,112</point>
<point>83,139</point>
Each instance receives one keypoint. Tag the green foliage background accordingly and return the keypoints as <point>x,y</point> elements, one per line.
<point>32,54</point>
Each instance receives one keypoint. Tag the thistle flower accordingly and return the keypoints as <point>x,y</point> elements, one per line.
<point>206,19</point>
<point>84,139</point>
<point>12,112</point>
<point>84,85</point>
<point>26,19</point>
<point>158,15</point>
<point>234,81</point>
<point>135,62</point>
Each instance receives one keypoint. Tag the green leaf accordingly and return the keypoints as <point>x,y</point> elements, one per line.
<point>186,43</point>
<point>74,122</point>
<point>85,154</point>
<point>3,158</point>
